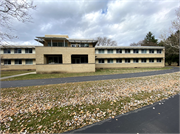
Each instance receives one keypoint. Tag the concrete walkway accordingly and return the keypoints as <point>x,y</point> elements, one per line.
<point>2,78</point>
<point>36,82</point>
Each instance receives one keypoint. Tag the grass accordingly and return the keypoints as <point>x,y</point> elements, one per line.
<point>10,73</point>
<point>98,72</point>
<point>63,107</point>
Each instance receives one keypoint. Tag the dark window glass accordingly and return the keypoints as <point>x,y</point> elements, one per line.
<point>143,60</point>
<point>158,60</point>
<point>127,51</point>
<point>127,60</point>
<point>143,51</point>
<point>110,60</point>
<point>28,50</point>
<point>7,51</point>
<point>79,59</point>
<point>151,60</point>
<point>7,62</point>
<point>18,61</point>
<point>119,51</point>
<point>101,51</point>
<point>151,51</point>
<point>17,50</point>
<point>118,60</point>
<point>135,51</point>
<point>101,60</point>
<point>135,60</point>
<point>110,51</point>
<point>159,51</point>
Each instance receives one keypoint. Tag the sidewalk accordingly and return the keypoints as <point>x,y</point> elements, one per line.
<point>16,75</point>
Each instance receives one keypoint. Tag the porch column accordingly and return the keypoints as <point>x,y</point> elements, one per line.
<point>51,43</point>
<point>64,43</point>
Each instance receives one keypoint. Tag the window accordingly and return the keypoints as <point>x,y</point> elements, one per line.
<point>158,60</point>
<point>7,62</point>
<point>101,60</point>
<point>119,51</point>
<point>18,62</point>
<point>110,51</point>
<point>143,60</point>
<point>28,50</point>
<point>151,60</point>
<point>55,44</point>
<point>135,60</point>
<point>118,60</point>
<point>29,61</point>
<point>127,60</point>
<point>17,50</point>
<point>110,60</point>
<point>101,51</point>
<point>127,50</point>
<point>151,51</point>
<point>79,59</point>
<point>84,45</point>
<point>135,51</point>
<point>60,44</point>
<point>7,51</point>
<point>143,51</point>
<point>73,45</point>
<point>54,59</point>
<point>159,51</point>
<point>49,43</point>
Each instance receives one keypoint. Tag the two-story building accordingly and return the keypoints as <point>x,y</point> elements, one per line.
<point>59,53</point>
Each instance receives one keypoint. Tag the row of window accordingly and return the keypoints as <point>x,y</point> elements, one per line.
<point>151,60</point>
<point>18,62</point>
<point>17,50</point>
<point>101,51</point>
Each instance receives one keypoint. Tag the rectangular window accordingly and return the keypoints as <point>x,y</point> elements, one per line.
<point>73,45</point>
<point>136,51</point>
<point>158,60</point>
<point>118,60</point>
<point>119,51</point>
<point>28,50</point>
<point>79,59</point>
<point>101,60</point>
<point>7,62</point>
<point>17,50</point>
<point>135,60</point>
<point>18,61</point>
<point>101,51</point>
<point>110,60</point>
<point>151,60</point>
<point>159,51</point>
<point>29,61</point>
<point>143,60</point>
<point>54,59</point>
<point>151,51</point>
<point>49,44</point>
<point>127,60</point>
<point>143,51</point>
<point>84,45</point>
<point>127,51</point>
<point>7,51</point>
<point>110,51</point>
<point>60,44</point>
<point>55,44</point>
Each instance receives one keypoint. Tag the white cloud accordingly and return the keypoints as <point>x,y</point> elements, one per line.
<point>125,21</point>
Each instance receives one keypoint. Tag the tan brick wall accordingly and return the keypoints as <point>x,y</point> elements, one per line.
<point>18,67</point>
<point>65,68</point>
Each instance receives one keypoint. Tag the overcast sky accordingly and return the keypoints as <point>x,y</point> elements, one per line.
<point>125,21</point>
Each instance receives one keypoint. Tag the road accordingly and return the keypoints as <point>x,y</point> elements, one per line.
<point>161,117</point>
<point>36,82</point>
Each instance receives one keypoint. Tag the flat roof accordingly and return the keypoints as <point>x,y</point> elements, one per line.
<point>129,47</point>
<point>17,46</point>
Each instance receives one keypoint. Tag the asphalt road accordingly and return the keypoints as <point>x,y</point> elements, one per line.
<point>163,119</point>
<point>35,82</point>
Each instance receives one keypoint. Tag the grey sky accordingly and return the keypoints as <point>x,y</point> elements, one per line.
<point>124,21</point>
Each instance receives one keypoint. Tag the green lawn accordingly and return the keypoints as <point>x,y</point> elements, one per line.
<point>98,72</point>
<point>10,73</point>
<point>62,107</point>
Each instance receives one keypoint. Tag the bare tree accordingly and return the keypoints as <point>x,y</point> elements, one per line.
<point>104,41</point>
<point>11,10</point>
<point>174,32</point>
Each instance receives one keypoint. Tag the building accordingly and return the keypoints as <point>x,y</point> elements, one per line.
<point>18,57</point>
<point>59,53</point>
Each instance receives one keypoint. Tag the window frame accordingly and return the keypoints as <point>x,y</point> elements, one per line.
<point>99,51</point>
<point>129,61</point>
<point>134,51</point>
<point>27,50</point>
<point>136,61</point>
<point>16,51</point>
<point>151,61</point>
<point>144,60</point>
<point>143,51</point>
<point>118,59</point>
<point>129,51</point>
<point>151,51</point>
<point>8,61</point>
<point>119,50</point>
<point>159,50</point>
<point>29,60</point>
<point>110,51</point>
<point>100,60</point>
<point>8,51</point>
<point>19,60</point>
<point>109,61</point>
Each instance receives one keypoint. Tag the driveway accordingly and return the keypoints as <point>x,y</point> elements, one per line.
<point>36,82</point>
